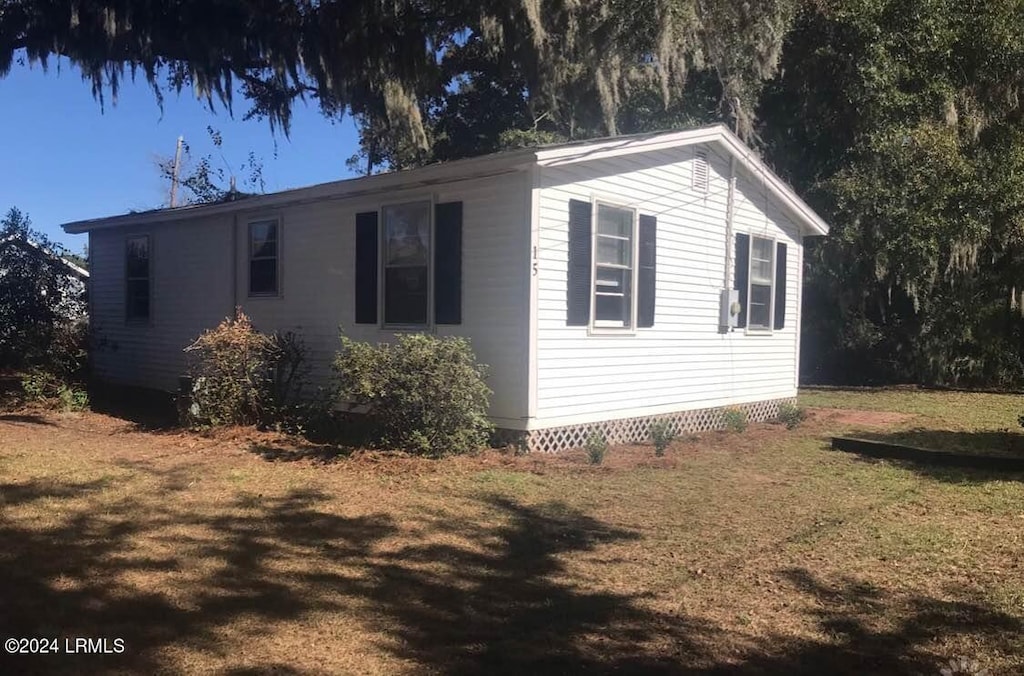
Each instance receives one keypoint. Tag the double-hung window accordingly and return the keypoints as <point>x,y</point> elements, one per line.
<point>137,273</point>
<point>406,263</point>
<point>264,252</point>
<point>614,267</point>
<point>762,276</point>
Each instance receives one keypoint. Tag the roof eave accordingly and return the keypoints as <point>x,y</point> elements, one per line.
<point>476,167</point>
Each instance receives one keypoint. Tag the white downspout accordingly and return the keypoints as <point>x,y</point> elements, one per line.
<point>730,210</point>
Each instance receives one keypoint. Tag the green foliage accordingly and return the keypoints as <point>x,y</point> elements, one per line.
<point>735,419</point>
<point>72,399</point>
<point>424,73</point>
<point>596,447</point>
<point>243,377</point>
<point>40,385</point>
<point>424,394</point>
<point>42,306</point>
<point>661,435</point>
<point>791,415</point>
<point>901,123</point>
<point>211,179</point>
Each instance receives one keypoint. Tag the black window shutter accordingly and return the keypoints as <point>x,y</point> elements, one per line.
<point>742,275</point>
<point>448,263</point>
<point>780,285</point>
<point>580,245</point>
<point>367,257</point>
<point>647,272</point>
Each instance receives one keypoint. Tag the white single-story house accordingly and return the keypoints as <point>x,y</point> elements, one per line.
<point>606,283</point>
<point>72,279</point>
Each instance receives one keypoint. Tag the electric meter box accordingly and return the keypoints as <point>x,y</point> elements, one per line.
<point>729,310</point>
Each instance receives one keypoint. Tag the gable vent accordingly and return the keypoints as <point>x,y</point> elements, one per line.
<point>700,171</point>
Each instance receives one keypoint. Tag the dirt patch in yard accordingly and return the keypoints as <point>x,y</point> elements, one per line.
<point>854,417</point>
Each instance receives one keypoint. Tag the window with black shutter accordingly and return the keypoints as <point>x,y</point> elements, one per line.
<point>614,266</point>
<point>611,267</point>
<point>412,261</point>
<point>448,263</point>
<point>406,267</point>
<point>780,286</point>
<point>761,282</point>
<point>367,256</point>
<point>647,273</point>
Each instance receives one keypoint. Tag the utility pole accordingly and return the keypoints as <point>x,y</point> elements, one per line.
<point>174,172</point>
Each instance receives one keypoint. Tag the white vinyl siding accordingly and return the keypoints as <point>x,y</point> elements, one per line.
<point>190,290</point>
<point>514,287</point>
<point>193,288</point>
<point>682,362</point>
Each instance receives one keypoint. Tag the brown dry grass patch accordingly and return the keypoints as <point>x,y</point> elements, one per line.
<point>242,552</point>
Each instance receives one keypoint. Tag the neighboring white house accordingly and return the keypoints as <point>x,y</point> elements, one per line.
<point>72,281</point>
<point>589,276</point>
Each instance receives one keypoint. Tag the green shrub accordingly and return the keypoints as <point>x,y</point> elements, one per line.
<point>661,435</point>
<point>40,385</point>
<point>424,394</point>
<point>735,419</point>
<point>596,447</point>
<point>243,377</point>
<point>791,415</point>
<point>72,399</point>
<point>41,306</point>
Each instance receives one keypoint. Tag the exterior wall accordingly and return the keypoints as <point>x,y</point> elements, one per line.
<point>681,363</point>
<point>190,290</point>
<point>198,281</point>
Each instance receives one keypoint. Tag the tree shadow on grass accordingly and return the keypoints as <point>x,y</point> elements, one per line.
<point>491,593</point>
<point>25,419</point>
<point>507,608</point>
<point>324,454</point>
<point>873,631</point>
<point>147,410</point>
<point>84,575</point>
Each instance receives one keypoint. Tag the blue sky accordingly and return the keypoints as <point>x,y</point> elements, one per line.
<point>65,158</point>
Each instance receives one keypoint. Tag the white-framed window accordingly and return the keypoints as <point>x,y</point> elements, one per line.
<point>614,267</point>
<point>137,279</point>
<point>406,249</point>
<point>762,282</point>
<point>264,257</point>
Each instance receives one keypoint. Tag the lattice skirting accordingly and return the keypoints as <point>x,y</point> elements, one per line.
<point>632,430</point>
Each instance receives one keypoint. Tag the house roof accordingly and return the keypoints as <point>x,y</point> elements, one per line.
<point>572,152</point>
<point>75,270</point>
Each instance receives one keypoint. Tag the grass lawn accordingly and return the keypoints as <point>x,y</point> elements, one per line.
<point>757,553</point>
<point>956,422</point>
